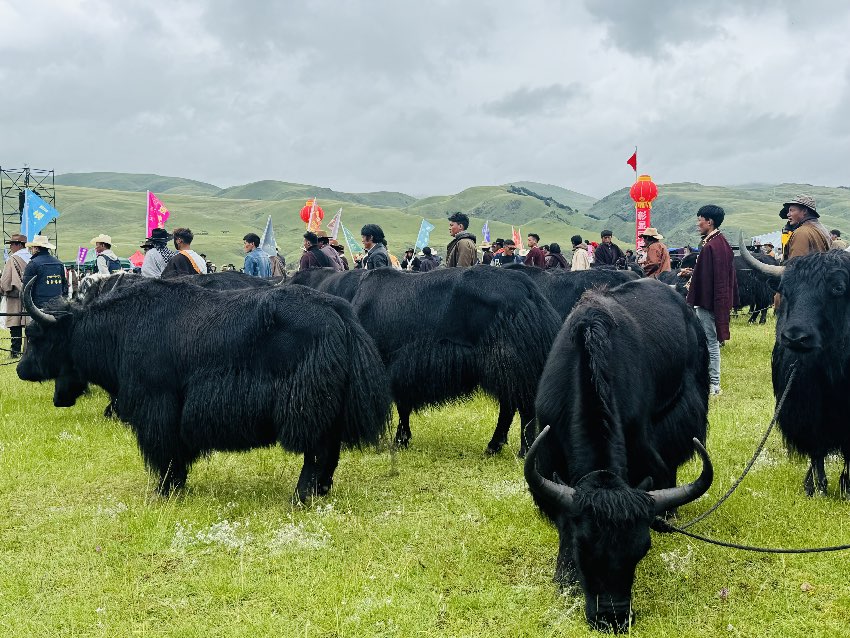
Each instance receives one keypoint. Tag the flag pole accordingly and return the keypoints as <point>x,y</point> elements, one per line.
<point>147,205</point>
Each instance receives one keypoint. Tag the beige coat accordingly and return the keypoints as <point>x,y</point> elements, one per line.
<point>581,260</point>
<point>810,237</point>
<point>11,285</point>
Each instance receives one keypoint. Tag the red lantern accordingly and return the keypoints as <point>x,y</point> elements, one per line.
<point>305,212</point>
<point>643,191</point>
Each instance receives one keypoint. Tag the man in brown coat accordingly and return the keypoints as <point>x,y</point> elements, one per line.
<point>808,235</point>
<point>11,285</point>
<point>657,256</point>
<point>462,250</point>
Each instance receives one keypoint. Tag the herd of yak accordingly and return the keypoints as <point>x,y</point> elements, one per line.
<point>315,362</point>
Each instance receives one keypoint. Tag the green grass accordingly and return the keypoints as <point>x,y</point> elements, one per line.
<point>438,540</point>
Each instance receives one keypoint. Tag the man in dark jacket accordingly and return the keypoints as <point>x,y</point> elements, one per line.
<point>427,262</point>
<point>48,272</point>
<point>375,244</point>
<point>713,290</point>
<point>535,256</point>
<point>608,253</point>
<point>462,250</point>
<point>186,261</point>
<point>410,262</point>
<point>313,256</point>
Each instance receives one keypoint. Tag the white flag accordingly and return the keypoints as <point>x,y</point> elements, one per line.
<point>333,225</point>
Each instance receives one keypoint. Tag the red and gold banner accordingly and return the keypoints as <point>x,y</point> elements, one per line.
<point>643,191</point>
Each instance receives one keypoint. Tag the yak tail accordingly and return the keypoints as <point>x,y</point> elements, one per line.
<point>591,332</point>
<point>367,402</point>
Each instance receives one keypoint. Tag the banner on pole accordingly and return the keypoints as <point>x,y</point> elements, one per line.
<point>36,215</point>
<point>158,214</point>
<point>424,235</point>
<point>516,235</point>
<point>82,253</point>
<point>333,225</point>
<point>354,247</point>
<point>267,241</point>
<point>485,231</point>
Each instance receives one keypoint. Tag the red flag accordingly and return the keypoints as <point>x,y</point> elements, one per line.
<point>633,161</point>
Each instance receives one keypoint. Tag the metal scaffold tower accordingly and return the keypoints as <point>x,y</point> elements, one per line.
<point>13,183</point>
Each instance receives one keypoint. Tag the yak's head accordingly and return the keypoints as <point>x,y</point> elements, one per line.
<point>815,301</point>
<point>48,351</point>
<point>606,523</point>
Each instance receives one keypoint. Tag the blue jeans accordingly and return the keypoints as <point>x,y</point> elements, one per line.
<point>706,318</point>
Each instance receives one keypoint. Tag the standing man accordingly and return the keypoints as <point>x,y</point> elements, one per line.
<point>325,247</point>
<point>314,256</point>
<point>837,242</point>
<point>107,261</point>
<point>657,258</point>
<point>535,256</point>
<point>580,261</point>
<point>12,285</point>
<point>374,242</point>
<point>410,262</point>
<point>486,254</point>
<point>256,260</point>
<point>340,250</point>
<point>507,256</point>
<point>427,263</point>
<point>461,252</point>
<point>805,232</point>
<point>157,258</point>
<point>186,261</point>
<point>48,272</point>
<point>608,253</point>
<point>713,289</point>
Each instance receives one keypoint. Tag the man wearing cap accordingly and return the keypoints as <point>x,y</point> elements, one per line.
<point>608,253</point>
<point>325,247</point>
<point>804,232</point>
<point>11,285</point>
<point>410,262</point>
<point>157,258</point>
<point>107,261</point>
<point>47,271</point>
<point>837,242</point>
<point>487,255</point>
<point>340,250</point>
<point>186,261</point>
<point>657,258</point>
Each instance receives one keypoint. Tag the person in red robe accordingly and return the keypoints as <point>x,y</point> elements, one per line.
<point>713,288</point>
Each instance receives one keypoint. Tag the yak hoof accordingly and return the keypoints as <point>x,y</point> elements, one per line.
<point>402,440</point>
<point>810,484</point>
<point>844,486</point>
<point>494,447</point>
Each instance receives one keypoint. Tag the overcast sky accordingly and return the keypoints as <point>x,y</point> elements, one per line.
<point>430,97</point>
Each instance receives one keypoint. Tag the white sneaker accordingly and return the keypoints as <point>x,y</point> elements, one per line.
<point>715,391</point>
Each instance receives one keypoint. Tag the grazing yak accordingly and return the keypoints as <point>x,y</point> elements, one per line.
<point>563,289</point>
<point>813,331</point>
<point>198,370</point>
<point>442,334</point>
<point>610,436</point>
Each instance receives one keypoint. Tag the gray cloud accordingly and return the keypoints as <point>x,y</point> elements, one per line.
<point>429,97</point>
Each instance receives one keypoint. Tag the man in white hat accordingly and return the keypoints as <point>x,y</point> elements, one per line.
<point>107,261</point>
<point>48,272</point>
<point>657,258</point>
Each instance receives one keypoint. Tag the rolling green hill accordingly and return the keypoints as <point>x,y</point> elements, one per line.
<point>137,182</point>
<point>275,190</point>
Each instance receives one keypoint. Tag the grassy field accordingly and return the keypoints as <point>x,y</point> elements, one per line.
<point>437,540</point>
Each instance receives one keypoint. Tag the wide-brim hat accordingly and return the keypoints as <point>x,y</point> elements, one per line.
<point>102,239</point>
<point>41,241</point>
<point>652,232</point>
<point>16,239</point>
<point>159,234</point>
<point>486,244</point>
<point>338,247</point>
<point>146,244</point>
<point>800,200</point>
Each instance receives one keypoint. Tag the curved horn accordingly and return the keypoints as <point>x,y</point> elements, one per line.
<point>35,312</point>
<point>281,282</point>
<point>561,495</point>
<point>768,270</point>
<point>672,497</point>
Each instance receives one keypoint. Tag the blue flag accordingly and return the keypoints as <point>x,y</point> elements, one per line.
<point>37,214</point>
<point>425,229</point>
<point>267,242</point>
<point>485,231</point>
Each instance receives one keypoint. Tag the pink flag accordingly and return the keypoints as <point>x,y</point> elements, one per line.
<point>157,214</point>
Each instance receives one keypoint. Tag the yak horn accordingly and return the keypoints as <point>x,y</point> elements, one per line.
<point>672,497</point>
<point>768,270</point>
<point>561,495</point>
<point>35,312</point>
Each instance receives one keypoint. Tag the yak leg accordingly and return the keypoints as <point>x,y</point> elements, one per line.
<point>815,477</point>
<point>753,314</point>
<point>763,318</point>
<point>329,461</point>
<point>528,431</point>
<point>403,434</point>
<point>161,446</point>
<point>844,478</point>
<point>320,461</point>
<point>503,425</point>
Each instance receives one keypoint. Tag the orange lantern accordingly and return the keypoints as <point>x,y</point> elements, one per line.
<point>643,191</point>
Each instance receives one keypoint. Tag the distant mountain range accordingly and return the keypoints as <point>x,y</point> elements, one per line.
<point>112,203</point>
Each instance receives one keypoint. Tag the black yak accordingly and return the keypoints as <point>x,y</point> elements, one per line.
<point>563,289</point>
<point>442,334</point>
<point>753,291</point>
<point>612,435</point>
<point>198,370</point>
<point>813,331</point>
<point>339,283</point>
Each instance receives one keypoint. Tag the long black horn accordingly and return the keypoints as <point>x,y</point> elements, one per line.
<point>561,495</point>
<point>35,312</point>
<point>768,270</point>
<point>672,497</point>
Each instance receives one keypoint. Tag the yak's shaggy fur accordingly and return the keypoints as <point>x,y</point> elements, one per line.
<point>197,370</point>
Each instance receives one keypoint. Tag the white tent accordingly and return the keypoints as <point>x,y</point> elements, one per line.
<point>774,238</point>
